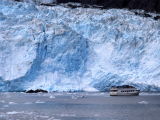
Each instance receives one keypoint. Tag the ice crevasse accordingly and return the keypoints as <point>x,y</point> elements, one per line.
<point>63,49</point>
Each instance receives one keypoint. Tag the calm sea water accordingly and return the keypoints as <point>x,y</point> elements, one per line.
<point>78,106</point>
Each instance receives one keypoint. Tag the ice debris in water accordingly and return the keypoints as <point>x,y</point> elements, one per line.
<point>143,102</point>
<point>39,102</point>
<point>14,112</point>
<point>52,96</point>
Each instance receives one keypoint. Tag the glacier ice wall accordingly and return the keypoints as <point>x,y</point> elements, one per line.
<point>38,1</point>
<point>62,49</point>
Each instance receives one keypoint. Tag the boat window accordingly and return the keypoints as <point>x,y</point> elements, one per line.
<point>128,91</point>
<point>114,90</point>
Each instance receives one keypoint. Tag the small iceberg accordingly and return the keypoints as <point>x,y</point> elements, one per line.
<point>143,102</point>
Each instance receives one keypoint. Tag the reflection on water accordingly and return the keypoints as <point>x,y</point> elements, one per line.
<point>78,106</point>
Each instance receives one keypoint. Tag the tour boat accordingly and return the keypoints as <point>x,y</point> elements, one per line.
<point>124,90</point>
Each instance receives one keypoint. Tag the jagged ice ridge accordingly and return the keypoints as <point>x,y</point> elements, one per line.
<point>62,49</point>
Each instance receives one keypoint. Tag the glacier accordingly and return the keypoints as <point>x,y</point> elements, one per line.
<point>83,49</point>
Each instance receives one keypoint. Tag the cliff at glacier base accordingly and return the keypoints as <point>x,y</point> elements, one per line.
<point>63,49</point>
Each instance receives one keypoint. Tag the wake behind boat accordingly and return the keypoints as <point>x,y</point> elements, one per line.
<point>124,90</point>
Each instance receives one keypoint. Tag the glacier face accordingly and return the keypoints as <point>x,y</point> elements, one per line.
<point>62,49</point>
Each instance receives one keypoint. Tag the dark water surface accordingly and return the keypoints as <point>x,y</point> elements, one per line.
<point>78,106</point>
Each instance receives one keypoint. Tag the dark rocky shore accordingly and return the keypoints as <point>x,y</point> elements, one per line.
<point>147,5</point>
<point>36,91</point>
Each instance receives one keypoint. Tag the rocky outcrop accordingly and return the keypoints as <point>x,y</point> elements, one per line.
<point>148,5</point>
<point>36,91</point>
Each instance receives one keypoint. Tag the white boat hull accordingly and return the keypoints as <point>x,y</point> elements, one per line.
<point>119,93</point>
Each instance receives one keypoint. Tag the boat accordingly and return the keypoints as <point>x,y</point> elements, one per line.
<point>124,90</point>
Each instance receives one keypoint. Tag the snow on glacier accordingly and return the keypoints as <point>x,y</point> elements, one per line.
<point>62,49</point>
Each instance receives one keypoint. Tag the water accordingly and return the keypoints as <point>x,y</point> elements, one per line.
<point>78,106</point>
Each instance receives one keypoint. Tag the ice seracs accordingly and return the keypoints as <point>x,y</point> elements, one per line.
<point>63,49</point>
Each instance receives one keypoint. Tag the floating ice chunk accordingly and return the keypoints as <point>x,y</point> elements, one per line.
<point>39,102</point>
<point>68,115</point>
<point>77,96</point>
<point>14,112</point>
<point>52,118</point>
<point>28,103</point>
<point>44,117</point>
<point>143,102</point>
<point>74,97</point>
<point>12,103</point>
<point>52,96</point>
